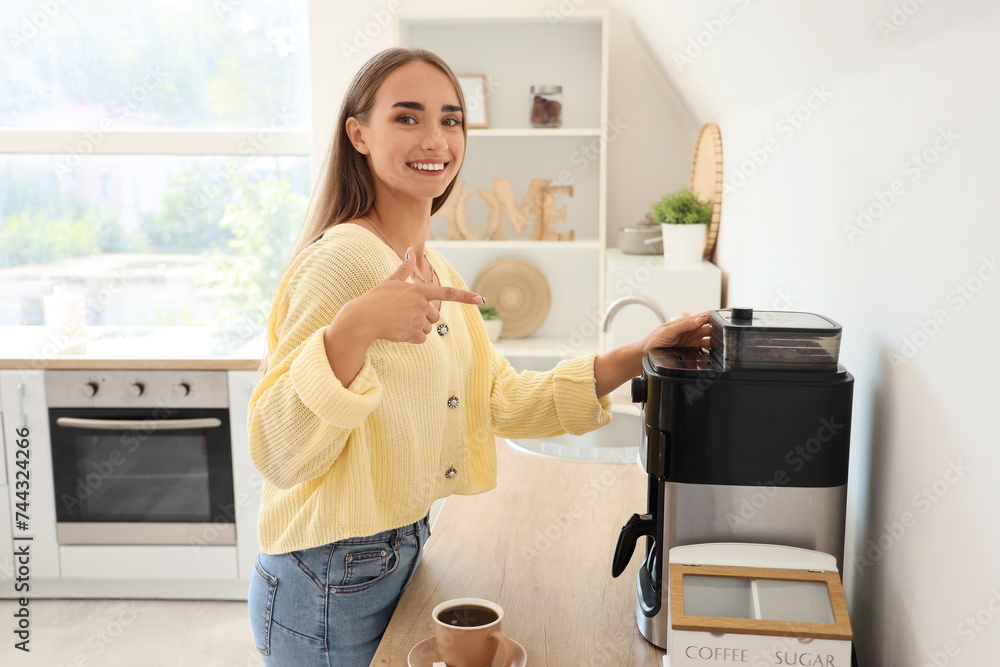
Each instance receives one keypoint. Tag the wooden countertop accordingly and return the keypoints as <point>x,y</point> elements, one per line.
<point>539,545</point>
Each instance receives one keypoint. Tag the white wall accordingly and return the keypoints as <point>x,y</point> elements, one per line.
<point>888,80</point>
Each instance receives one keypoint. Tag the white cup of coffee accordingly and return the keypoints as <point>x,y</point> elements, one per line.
<point>467,631</point>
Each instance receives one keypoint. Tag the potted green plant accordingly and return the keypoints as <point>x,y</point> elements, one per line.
<point>684,220</point>
<point>491,318</point>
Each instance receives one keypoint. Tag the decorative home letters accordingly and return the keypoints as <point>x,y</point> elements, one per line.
<point>538,203</point>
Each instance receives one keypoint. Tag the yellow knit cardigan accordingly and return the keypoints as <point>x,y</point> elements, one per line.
<point>416,424</point>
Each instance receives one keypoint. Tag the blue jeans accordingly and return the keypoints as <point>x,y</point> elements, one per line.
<point>329,606</point>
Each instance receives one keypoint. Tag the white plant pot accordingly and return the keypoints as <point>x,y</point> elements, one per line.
<point>493,328</point>
<point>683,244</point>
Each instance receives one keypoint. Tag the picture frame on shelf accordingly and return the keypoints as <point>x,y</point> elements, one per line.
<point>476,102</point>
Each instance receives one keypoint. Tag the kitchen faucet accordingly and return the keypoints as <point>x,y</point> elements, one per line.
<point>620,303</point>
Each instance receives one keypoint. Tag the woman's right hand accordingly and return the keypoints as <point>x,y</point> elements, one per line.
<point>401,311</point>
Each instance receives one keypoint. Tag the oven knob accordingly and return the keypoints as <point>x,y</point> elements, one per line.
<point>89,390</point>
<point>182,389</point>
<point>135,391</point>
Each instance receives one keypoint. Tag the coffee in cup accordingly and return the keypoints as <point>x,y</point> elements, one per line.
<point>467,631</point>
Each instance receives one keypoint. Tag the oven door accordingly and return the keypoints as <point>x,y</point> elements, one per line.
<point>142,476</point>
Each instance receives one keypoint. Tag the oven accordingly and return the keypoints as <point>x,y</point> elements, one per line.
<point>141,457</point>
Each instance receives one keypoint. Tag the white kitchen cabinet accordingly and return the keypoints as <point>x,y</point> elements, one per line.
<point>247,482</point>
<point>148,563</point>
<point>6,553</point>
<point>181,571</point>
<point>23,395</point>
<point>6,560</point>
<point>516,52</point>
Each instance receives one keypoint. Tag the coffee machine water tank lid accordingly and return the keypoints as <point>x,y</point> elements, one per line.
<point>777,320</point>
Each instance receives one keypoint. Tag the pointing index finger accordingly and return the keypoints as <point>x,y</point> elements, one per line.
<point>448,293</point>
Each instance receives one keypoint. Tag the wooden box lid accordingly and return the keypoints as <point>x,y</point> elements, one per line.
<point>750,605</point>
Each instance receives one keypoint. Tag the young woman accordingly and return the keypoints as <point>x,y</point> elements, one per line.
<point>382,391</point>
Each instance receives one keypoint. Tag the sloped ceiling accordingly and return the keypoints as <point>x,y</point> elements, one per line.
<point>731,54</point>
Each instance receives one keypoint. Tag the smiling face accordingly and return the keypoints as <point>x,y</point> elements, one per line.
<point>414,140</point>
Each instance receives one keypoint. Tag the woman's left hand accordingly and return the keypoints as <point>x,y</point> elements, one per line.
<point>690,331</point>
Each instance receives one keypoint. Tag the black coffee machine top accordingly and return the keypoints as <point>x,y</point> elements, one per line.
<point>767,413</point>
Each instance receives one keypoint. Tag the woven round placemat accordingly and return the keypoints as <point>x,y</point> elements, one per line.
<point>519,291</point>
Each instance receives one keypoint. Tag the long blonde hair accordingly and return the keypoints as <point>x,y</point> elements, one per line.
<point>346,188</point>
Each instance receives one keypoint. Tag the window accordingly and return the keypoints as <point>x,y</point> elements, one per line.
<point>154,157</point>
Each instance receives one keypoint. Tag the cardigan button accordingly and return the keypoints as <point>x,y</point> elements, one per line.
<point>451,473</point>
<point>442,329</point>
<point>453,402</point>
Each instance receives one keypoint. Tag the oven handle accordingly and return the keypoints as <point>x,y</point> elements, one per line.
<point>146,425</point>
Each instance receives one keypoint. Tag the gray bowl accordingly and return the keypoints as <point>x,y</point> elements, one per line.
<point>632,239</point>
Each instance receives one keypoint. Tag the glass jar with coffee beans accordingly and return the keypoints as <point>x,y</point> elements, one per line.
<point>546,106</point>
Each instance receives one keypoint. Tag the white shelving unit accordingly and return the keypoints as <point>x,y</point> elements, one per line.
<point>515,53</point>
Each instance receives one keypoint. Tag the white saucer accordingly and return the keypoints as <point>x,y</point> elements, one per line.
<point>425,654</point>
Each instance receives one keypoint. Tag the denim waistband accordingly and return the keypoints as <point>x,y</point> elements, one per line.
<point>388,534</point>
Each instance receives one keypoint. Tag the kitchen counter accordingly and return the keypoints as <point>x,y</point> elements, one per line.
<point>539,545</point>
<point>112,348</point>
<point>138,570</point>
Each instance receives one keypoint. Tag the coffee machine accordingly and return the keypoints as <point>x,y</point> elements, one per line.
<point>746,443</point>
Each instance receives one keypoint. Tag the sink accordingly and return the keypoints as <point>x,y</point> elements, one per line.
<point>618,442</point>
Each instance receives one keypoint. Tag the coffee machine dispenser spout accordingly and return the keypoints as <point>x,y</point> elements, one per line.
<point>638,526</point>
